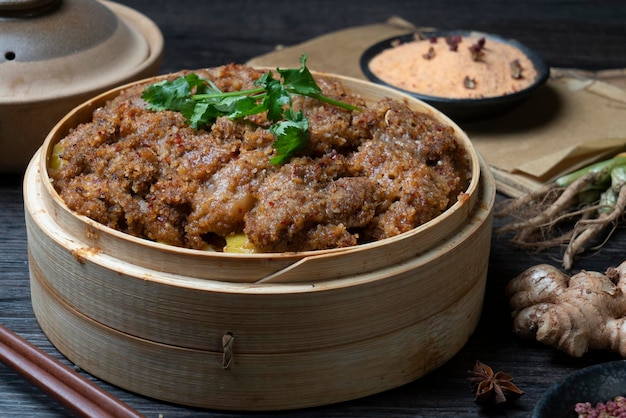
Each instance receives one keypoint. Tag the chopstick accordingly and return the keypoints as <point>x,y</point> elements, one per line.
<point>76,393</point>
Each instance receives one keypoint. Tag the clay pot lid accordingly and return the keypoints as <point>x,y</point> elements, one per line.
<point>53,48</point>
<point>10,8</point>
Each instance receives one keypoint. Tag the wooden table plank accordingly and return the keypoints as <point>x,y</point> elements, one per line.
<point>583,34</point>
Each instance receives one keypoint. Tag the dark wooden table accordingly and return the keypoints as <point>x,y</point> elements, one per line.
<point>568,33</point>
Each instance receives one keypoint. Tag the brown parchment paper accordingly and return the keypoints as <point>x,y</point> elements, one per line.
<point>578,117</point>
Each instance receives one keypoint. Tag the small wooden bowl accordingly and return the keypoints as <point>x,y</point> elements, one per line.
<point>257,331</point>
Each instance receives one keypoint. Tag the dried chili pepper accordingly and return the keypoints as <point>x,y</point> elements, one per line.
<point>477,49</point>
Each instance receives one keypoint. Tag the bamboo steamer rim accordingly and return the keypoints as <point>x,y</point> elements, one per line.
<point>78,115</point>
<point>480,214</point>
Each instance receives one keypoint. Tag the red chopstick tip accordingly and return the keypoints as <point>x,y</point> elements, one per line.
<point>75,392</point>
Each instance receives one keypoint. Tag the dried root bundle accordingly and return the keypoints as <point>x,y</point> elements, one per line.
<point>586,311</point>
<point>572,212</point>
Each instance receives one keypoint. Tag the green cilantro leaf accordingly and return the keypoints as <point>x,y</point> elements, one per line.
<point>276,99</point>
<point>300,81</point>
<point>172,95</point>
<point>201,102</point>
<point>292,135</point>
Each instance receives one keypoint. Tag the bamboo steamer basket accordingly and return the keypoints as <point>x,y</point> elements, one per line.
<point>263,268</point>
<point>257,332</point>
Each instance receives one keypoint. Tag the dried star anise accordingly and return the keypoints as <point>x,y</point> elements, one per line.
<point>491,388</point>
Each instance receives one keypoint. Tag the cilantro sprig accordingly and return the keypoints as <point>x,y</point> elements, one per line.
<point>201,102</point>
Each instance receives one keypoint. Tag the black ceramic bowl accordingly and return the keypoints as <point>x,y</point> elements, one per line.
<point>463,110</point>
<point>598,383</point>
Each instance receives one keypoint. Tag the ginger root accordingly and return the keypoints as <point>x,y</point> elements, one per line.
<point>574,314</point>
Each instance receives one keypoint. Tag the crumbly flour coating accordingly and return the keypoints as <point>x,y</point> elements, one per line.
<point>364,175</point>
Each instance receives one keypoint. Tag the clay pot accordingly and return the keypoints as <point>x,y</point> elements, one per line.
<point>54,55</point>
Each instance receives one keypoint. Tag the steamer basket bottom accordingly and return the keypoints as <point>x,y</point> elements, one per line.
<point>256,382</point>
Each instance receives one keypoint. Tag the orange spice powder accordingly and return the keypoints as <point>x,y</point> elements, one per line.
<point>432,68</point>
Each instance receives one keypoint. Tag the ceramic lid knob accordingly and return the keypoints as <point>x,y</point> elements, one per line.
<point>24,8</point>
